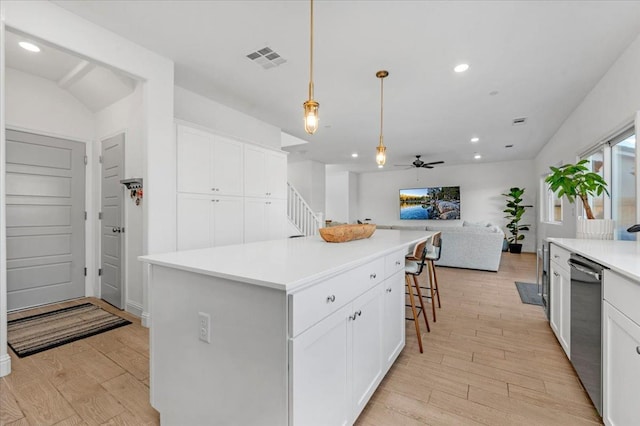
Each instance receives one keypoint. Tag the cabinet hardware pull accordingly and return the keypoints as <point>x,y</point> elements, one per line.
<point>353,317</point>
<point>358,313</point>
<point>555,256</point>
<point>397,263</point>
<point>389,290</point>
<point>638,349</point>
<point>556,274</point>
<point>372,276</point>
<point>331,299</point>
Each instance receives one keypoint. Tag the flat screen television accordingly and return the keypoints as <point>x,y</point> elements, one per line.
<point>435,203</point>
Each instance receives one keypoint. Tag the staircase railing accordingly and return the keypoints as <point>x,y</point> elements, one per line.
<point>300,214</point>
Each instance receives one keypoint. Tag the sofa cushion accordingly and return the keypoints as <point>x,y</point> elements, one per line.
<point>476,224</point>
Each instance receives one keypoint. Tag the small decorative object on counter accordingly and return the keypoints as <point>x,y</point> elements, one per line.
<point>344,233</point>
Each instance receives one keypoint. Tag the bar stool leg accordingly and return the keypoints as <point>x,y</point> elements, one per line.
<point>431,274</point>
<point>413,308</point>
<point>435,282</point>
<point>424,312</point>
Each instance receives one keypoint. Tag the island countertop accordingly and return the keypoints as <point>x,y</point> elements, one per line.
<point>287,264</point>
<point>619,256</point>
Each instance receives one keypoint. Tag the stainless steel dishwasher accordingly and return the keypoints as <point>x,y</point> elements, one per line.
<point>586,325</point>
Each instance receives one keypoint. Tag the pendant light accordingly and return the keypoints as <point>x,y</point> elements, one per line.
<point>311,106</point>
<point>381,150</point>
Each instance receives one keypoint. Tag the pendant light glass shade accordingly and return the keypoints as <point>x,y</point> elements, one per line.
<point>311,119</point>
<point>381,150</point>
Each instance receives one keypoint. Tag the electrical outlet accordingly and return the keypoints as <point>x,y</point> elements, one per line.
<point>204,327</point>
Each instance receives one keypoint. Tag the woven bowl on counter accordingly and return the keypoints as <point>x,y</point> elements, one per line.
<point>344,233</point>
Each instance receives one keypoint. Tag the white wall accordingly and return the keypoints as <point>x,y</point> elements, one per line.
<point>481,186</point>
<point>309,179</point>
<point>37,104</point>
<point>194,108</point>
<point>126,115</point>
<point>342,197</point>
<point>610,106</point>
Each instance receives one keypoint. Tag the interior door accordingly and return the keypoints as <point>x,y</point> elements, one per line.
<point>45,187</point>
<point>112,230</point>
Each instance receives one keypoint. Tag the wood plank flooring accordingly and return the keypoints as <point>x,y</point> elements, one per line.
<point>489,359</point>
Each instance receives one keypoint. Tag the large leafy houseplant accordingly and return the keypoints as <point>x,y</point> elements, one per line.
<point>515,209</point>
<point>576,180</point>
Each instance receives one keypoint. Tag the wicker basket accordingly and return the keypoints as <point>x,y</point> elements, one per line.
<point>344,233</point>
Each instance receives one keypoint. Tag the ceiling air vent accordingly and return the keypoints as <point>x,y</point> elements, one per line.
<point>519,121</point>
<point>266,58</point>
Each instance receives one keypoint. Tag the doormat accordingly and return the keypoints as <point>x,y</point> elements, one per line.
<point>529,293</point>
<point>37,333</point>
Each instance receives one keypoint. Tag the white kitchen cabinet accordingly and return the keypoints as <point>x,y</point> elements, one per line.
<point>621,368</point>
<point>264,219</point>
<point>209,221</point>
<point>208,163</point>
<point>393,327</point>
<point>560,290</point>
<point>338,360</point>
<point>265,173</point>
<point>319,372</point>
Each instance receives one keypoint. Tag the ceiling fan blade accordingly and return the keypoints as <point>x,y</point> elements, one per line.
<point>426,166</point>
<point>435,162</point>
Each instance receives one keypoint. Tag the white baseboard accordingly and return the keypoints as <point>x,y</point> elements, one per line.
<point>5,365</point>
<point>134,308</point>
<point>146,319</point>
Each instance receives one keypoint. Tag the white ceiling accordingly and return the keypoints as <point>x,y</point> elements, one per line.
<point>542,58</point>
<point>93,85</point>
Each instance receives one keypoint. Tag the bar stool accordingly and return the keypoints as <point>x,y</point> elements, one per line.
<point>413,267</point>
<point>431,257</point>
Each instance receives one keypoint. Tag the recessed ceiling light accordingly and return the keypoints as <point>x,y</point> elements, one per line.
<point>475,139</point>
<point>477,156</point>
<point>461,68</point>
<point>354,155</point>
<point>29,46</point>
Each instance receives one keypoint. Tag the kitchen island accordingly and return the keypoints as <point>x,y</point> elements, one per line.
<point>284,332</point>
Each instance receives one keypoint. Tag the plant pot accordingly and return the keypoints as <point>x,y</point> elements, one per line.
<point>594,229</point>
<point>515,248</point>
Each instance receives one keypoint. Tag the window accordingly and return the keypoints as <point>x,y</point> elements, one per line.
<point>623,184</point>
<point>552,210</point>
<point>596,164</point>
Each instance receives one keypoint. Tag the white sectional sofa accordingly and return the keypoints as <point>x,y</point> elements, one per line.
<point>470,246</point>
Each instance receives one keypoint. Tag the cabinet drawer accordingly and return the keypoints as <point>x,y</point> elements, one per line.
<point>393,263</point>
<point>560,256</point>
<point>623,294</point>
<point>314,303</point>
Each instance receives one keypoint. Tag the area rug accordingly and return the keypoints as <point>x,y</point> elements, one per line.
<point>37,333</point>
<point>529,293</point>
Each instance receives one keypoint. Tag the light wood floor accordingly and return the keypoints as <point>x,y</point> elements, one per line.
<point>489,359</point>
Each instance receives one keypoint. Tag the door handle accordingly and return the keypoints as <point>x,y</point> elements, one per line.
<point>595,275</point>
<point>116,230</point>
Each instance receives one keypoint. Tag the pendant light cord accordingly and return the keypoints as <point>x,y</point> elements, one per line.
<point>311,56</point>
<point>381,107</point>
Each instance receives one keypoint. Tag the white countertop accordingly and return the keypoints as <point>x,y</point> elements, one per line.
<point>290,263</point>
<point>620,256</point>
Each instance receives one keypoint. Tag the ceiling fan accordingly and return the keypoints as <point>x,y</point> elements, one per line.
<point>418,163</point>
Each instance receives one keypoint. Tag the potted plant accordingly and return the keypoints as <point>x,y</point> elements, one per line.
<point>576,180</point>
<point>514,212</point>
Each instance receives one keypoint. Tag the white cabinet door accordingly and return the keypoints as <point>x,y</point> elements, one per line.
<point>318,375</point>
<point>276,178</point>
<point>228,221</point>
<point>276,216</point>
<point>565,311</point>
<point>255,184</point>
<point>227,174</point>
<point>194,221</point>
<point>366,351</point>
<point>393,327</point>
<point>194,149</point>
<point>555,286</point>
<point>621,368</point>
<point>560,318</point>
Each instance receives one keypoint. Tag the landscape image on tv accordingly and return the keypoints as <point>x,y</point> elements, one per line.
<point>436,203</point>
